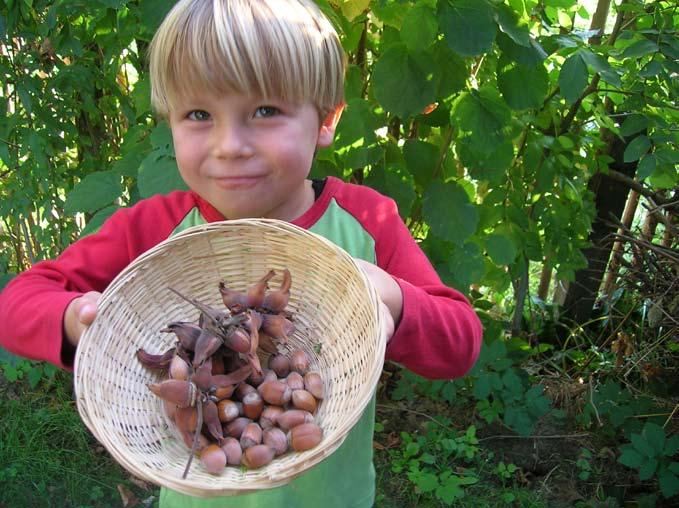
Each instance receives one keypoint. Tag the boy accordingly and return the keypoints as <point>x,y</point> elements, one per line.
<point>251,88</point>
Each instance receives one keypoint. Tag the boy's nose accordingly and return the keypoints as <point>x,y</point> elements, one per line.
<point>230,141</point>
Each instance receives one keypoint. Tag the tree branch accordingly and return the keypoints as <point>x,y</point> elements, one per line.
<point>638,186</point>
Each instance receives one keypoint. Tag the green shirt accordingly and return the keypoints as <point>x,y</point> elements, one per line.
<point>346,479</point>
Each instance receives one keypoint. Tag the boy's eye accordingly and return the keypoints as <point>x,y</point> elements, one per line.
<point>266,111</point>
<point>198,115</point>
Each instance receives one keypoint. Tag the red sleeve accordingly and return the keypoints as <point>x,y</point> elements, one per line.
<point>439,335</point>
<point>32,305</point>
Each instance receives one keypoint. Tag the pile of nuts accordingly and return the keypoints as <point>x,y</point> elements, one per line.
<point>230,410</point>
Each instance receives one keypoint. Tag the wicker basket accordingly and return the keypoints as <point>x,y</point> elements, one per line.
<point>337,320</point>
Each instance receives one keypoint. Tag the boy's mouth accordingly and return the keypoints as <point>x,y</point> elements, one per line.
<point>237,181</point>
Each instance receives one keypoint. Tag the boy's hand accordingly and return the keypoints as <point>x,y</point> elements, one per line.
<point>390,294</point>
<point>79,315</point>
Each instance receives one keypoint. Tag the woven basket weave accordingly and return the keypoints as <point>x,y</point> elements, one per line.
<point>338,323</point>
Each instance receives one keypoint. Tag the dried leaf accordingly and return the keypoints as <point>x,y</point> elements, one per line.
<point>127,496</point>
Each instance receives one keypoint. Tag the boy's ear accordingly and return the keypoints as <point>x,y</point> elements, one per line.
<point>327,131</point>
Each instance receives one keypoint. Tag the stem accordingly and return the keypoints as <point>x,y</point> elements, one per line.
<point>520,291</point>
<point>194,445</point>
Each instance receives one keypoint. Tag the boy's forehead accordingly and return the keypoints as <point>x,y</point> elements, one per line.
<point>203,96</point>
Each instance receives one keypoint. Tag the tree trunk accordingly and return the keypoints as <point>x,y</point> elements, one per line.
<point>599,20</point>
<point>610,202</point>
<point>545,279</point>
<point>520,294</point>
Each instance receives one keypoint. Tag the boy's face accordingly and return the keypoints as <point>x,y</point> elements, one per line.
<point>246,156</point>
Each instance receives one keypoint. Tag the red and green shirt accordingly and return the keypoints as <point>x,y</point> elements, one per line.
<point>438,337</point>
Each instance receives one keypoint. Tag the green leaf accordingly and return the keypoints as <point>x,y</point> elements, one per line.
<point>412,449</point>
<point>419,28</point>
<point>357,125</point>
<point>452,71</point>
<point>152,13</point>
<point>509,23</point>
<point>362,156</point>
<point>8,358</point>
<point>428,458</point>
<point>573,78</point>
<point>601,65</point>
<point>449,213</point>
<point>421,158</point>
<point>396,183</point>
<point>639,49</point>
<point>529,56</point>
<point>636,148</point>
<point>630,457</point>
<point>641,445</point>
<point>159,176</point>
<point>404,83</point>
<point>465,266</point>
<point>34,376</point>
<point>449,492</point>
<point>512,382</point>
<point>519,420</point>
<point>427,482</point>
<point>667,155</point>
<point>672,447</point>
<point>634,123</point>
<point>482,387</point>
<point>483,116</point>
<point>161,138</point>
<point>669,484</point>
<point>4,280</point>
<point>501,248</point>
<point>651,69</point>
<point>654,435</point>
<point>141,95</point>
<point>486,165</point>
<point>468,25</point>
<point>93,192</point>
<point>523,87</point>
<point>647,470</point>
<point>353,8</point>
<point>98,219</point>
<point>25,97</point>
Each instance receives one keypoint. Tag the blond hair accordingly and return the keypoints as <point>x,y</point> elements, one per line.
<point>283,49</point>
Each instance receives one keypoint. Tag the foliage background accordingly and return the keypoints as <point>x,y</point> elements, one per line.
<point>501,128</point>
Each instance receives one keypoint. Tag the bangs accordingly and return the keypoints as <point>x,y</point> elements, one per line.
<point>291,53</point>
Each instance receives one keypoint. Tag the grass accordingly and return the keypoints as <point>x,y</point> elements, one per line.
<point>48,458</point>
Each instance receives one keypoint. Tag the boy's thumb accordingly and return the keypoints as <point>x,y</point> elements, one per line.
<point>88,309</point>
<point>87,313</point>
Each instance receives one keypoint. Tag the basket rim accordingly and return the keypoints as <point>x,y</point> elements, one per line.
<point>190,485</point>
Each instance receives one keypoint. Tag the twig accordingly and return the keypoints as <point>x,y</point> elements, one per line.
<point>669,418</point>
<point>419,413</point>
<point>591,401</point>
<point>544,482</point>
<point>553,436</point>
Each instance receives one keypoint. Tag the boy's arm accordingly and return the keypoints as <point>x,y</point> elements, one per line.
<point>439,334</point>
<point>32,305</point>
